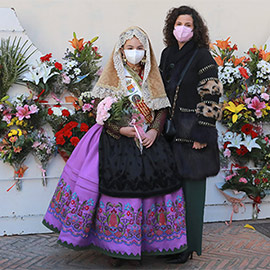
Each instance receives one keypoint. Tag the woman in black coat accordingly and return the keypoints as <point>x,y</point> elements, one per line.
<point>197,109</point>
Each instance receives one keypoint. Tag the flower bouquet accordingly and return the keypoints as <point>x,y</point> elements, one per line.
<point>231,70</point>
<point>43,148</point>
<point>5,114</point>
<point>248,145</point>
<point>26,112</point>
<point>58,116</point>
<point>255,183</point>
<point>41,76</point>
<point>14,148</point>
<point>121,112</point>
<point>80,68</point>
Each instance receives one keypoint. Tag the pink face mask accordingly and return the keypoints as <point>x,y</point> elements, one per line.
<point>182,33</point>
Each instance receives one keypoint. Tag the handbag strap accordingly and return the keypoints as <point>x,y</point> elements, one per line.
<point>180,81</point>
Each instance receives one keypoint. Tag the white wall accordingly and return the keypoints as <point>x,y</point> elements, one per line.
<point>49,24</point>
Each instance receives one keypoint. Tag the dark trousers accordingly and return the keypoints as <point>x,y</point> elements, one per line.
<point>194,192</point>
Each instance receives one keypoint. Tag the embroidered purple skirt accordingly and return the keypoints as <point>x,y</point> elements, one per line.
<point>119,227</point>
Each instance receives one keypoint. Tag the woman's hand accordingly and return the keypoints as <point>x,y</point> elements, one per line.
<point>197,145</point>
<point>128,131</point>
<point>150,137</point>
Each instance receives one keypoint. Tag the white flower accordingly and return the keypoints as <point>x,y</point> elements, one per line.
<point>250,143</point>
<point>77,71</point>
<point>228,136</point>
<point>236,141</point>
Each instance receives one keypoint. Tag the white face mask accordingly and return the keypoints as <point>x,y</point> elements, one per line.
<point>134,56</point>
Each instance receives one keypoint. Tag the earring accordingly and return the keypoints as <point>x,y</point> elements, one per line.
<point>143,61</point>
<point>124,59</point>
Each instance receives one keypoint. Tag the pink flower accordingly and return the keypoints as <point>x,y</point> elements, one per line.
<point>257,106</point>
<point>33,109</point>
<point>227,152</point>
<point>266,139</point>
<point>229,177</point>
<point>25,111</point>
<point>65,78</point>
<point>247,100</point>
<point>102,110</point>
<point>35,144</point>
<point>265,96</point>
<point>87,107</point>
<point>7,115</point>
<point>243,180</point>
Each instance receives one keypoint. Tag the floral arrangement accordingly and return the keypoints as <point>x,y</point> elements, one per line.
<point>246,110</point>
<point>13,62</point>
<point>76,74</point>
<point>26,112</point>
<point>44,148</point>
<point>14,148</point>
<point>69,126</point>
<point>254,182</point>
<point>41,76</point>
<point>81,66</point>
<point>120,111</point>
<point>22,117</point>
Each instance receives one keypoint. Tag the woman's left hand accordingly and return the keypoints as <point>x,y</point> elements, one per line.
<point>150,137</point>
<point>197,145</point>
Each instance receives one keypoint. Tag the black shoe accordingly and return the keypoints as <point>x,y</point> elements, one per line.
<point>115,262</point>
<point>180,258</point>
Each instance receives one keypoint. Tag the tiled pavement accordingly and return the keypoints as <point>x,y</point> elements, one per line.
<point>233,247</point>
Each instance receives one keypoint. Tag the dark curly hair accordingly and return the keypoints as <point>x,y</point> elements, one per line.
<point>200,32</point>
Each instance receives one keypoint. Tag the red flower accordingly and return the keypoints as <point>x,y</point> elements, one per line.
<point>46,57</point>
<point>67,133</point>
<point>84,127</point>
<point>243,72</point>
<point>60,140</point>
<point>235,47</point>
<point>95,48</point>
<point>253,50</point>
<point>248,129</point>
<point>265,180</point>
<point>58,66</point>
<point>225,145</point>
<point>242,151</point>
<point>257,181</point>
<point>50,111</point>
<point>65,112</point>
<point>74,141</point>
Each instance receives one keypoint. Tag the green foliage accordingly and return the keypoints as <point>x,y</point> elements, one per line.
<point>12,62</point>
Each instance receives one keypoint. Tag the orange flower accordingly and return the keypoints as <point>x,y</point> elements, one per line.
<point>237,61</point>
<point>264,55</point>
<point>223,44</point>
<point>77,43</point>
<point>219,60</point>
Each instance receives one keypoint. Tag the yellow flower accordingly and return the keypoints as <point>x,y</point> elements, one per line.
<point>19,132</point>
<point>12,132</point>
<point>235,110</point>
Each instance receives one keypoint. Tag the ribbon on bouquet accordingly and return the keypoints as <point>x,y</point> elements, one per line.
<point>43,172</point>
<point>238,166</point>
<point>236,203</point>
<point>19,173</point>
<point>139,132</point>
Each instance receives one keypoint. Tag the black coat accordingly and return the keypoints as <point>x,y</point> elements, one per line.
<point>196,110</point>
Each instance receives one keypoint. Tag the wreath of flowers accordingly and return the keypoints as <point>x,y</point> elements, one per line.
<point>246,109</point>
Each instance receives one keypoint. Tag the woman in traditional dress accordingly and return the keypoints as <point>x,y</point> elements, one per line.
<point>120,191</point>
<point>196,111</point>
